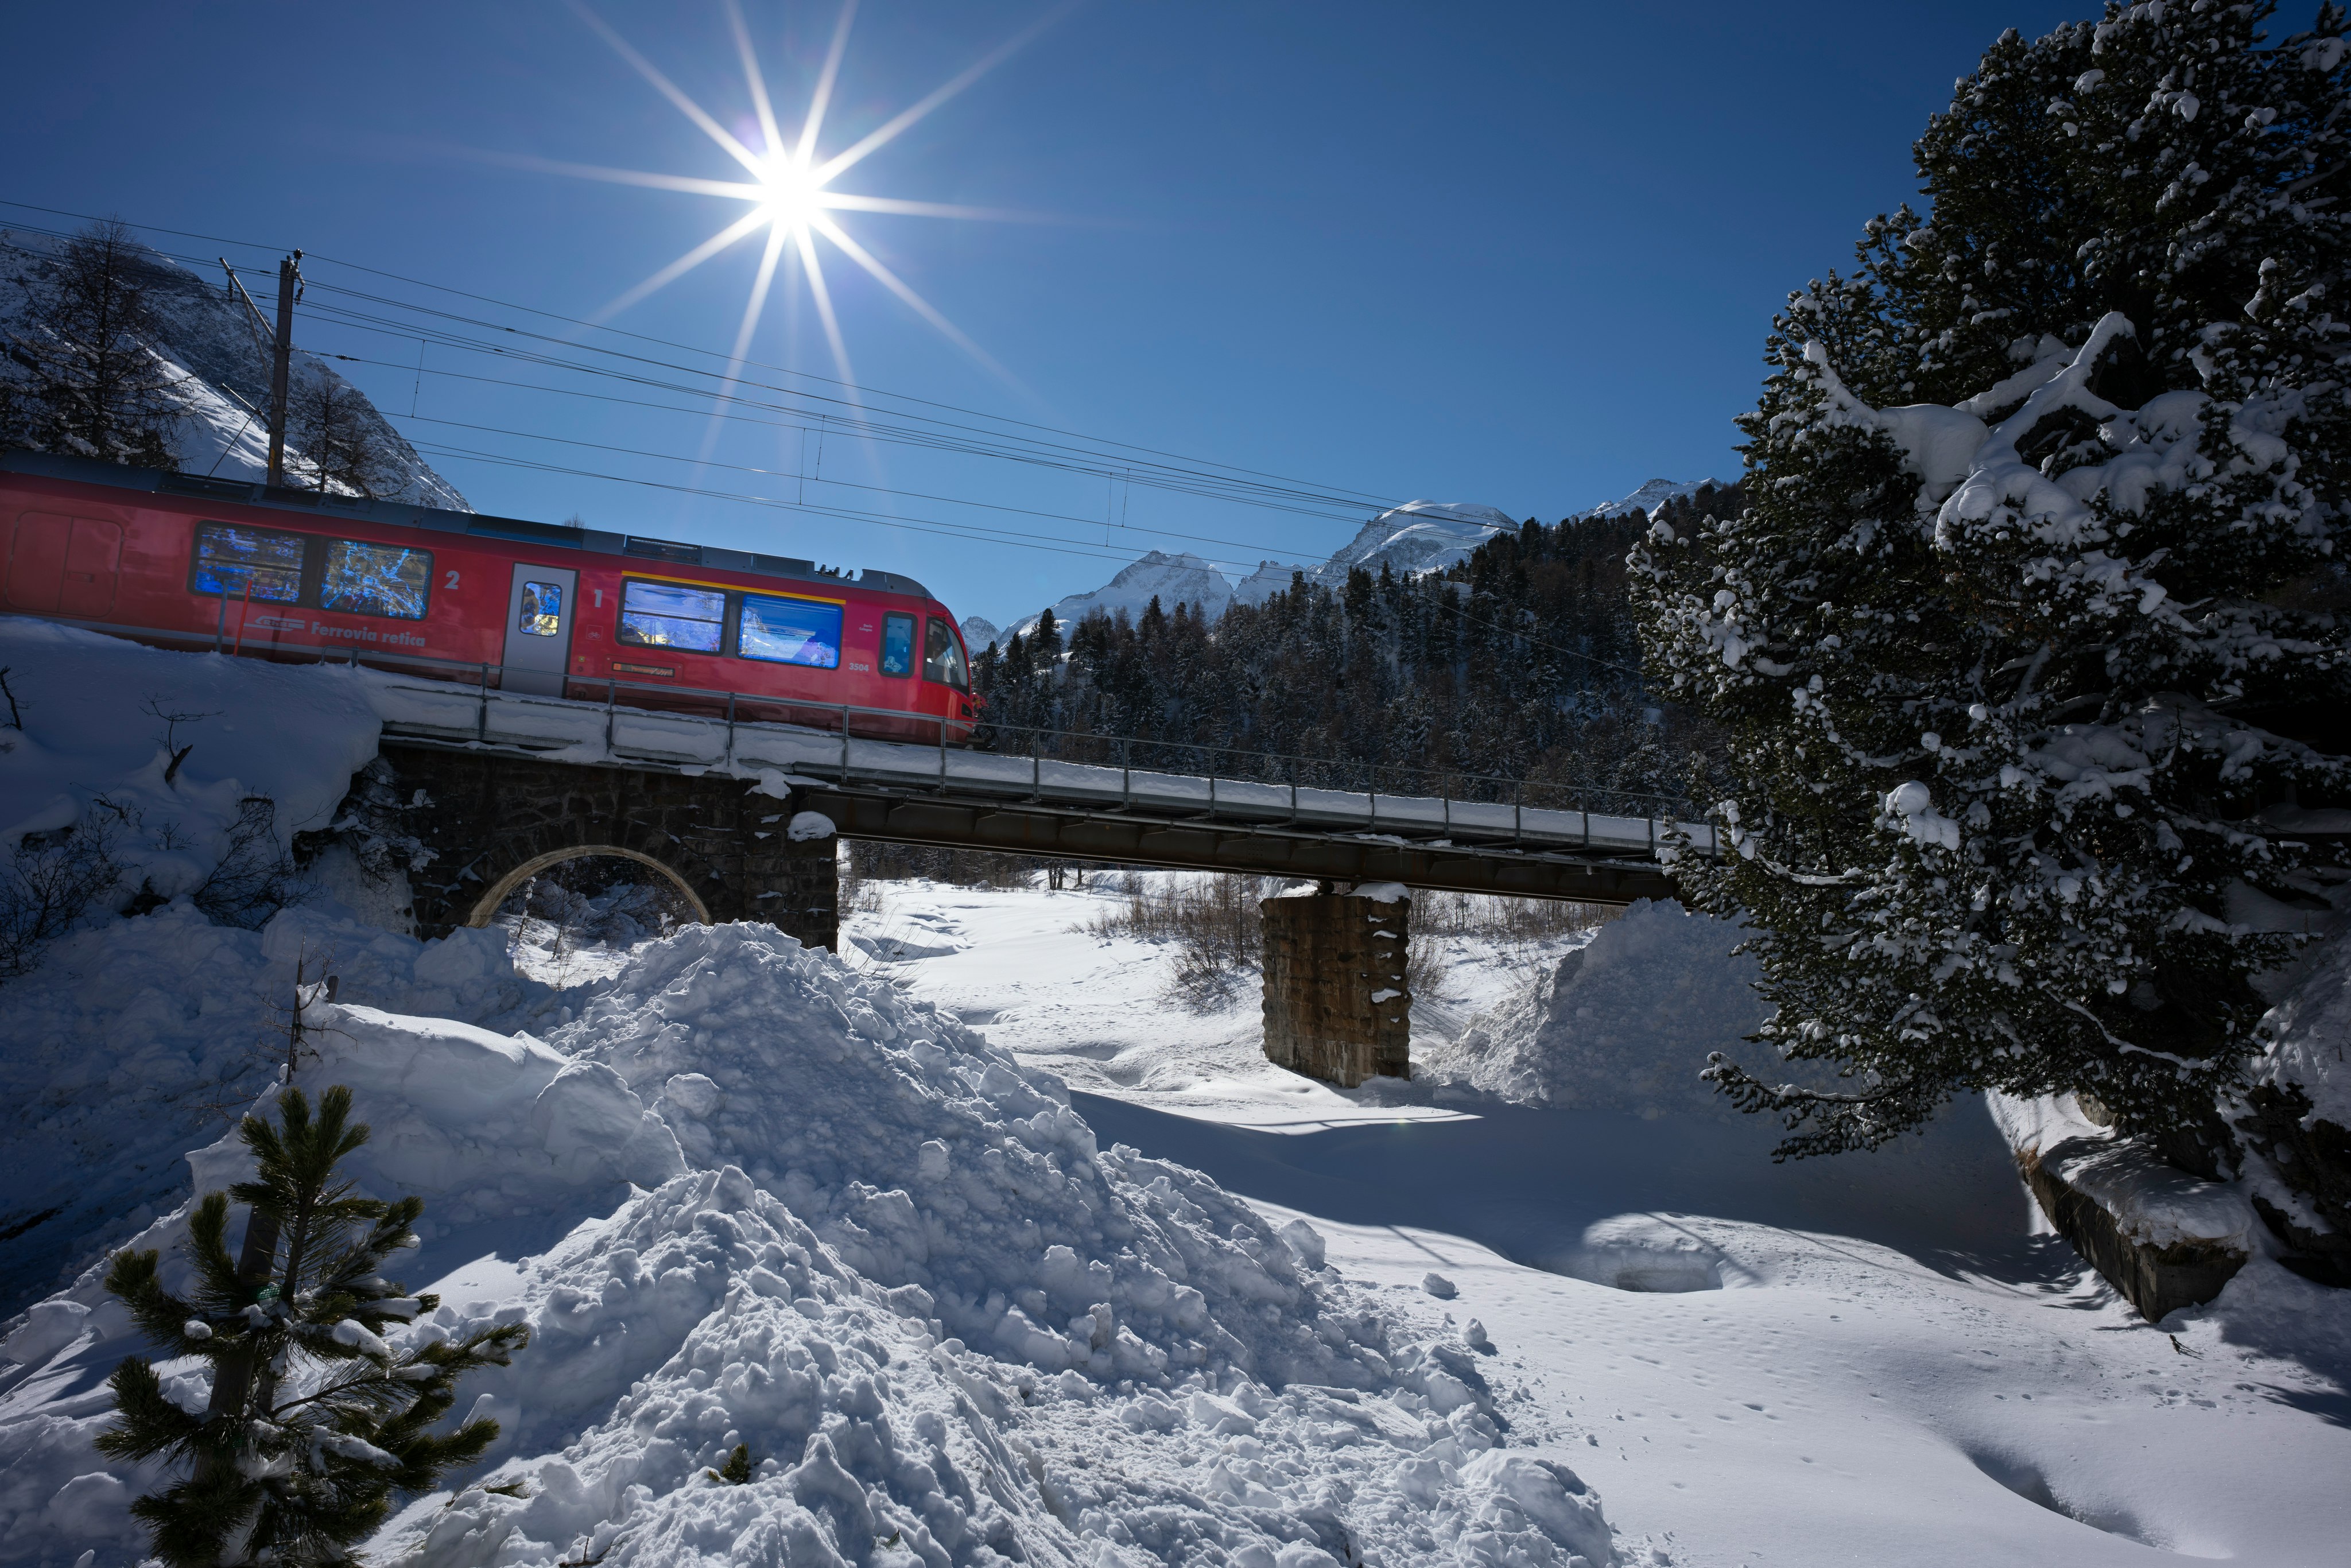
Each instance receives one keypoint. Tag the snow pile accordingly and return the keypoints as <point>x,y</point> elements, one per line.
<point>99,738</point>
<point>1623,1023</point>
<point>747,1197</point>
<point>139,1040</point>
<point>220,355</point>
<point>926,1157</point>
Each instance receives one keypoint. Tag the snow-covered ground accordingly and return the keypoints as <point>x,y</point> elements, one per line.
<point>991,1248</point>
<point>1873,1359</point>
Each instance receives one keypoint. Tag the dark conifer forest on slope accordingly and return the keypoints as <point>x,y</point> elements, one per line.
<point>1519,663</point>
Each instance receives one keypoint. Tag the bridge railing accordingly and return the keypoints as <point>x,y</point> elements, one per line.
<point>850,746</point>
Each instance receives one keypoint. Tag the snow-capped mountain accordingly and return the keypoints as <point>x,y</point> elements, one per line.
<point>1172,580</point>
<point>220,357</point>
<point>1417,536</point>
<point>1650,496</point>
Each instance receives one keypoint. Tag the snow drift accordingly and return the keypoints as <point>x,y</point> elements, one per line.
<point>744,1196</point>
<point>1623,1023</point>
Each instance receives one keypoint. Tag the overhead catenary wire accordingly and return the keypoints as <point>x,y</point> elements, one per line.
<point>1077,453</point>
<point>1241,479</point>
<point>949,531</point>
<point>818,478</point>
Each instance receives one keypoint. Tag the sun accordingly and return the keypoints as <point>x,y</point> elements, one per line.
<point>789,197</point>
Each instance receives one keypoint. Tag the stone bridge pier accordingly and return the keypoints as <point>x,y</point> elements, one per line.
<point>1337,1004</point>
<point>494,820</point>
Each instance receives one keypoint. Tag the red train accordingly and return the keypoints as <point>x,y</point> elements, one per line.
<point>549,609</point>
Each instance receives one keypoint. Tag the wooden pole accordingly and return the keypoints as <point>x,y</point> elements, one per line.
<point>288,271</point>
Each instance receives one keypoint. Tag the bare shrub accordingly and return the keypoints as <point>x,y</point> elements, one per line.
<point>1424,962</point>
<point>1503,919</point>
<point>1212,920</point>
<point>868,860</point>
<point>51,882</point>
<point>255,877</point>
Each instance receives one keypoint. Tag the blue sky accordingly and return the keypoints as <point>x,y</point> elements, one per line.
<point>1519,255</point>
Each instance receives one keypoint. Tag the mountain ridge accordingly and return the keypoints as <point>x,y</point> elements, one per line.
<point>1416,538</point>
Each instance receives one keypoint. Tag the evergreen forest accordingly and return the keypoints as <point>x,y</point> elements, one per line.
<point>1521,663</point>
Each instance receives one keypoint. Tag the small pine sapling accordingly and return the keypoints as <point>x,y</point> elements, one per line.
<point>314,1420</point>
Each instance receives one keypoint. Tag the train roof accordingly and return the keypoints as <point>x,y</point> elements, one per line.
<point>403,514</point>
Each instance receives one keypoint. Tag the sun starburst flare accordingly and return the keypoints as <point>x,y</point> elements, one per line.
<point>790,189</point>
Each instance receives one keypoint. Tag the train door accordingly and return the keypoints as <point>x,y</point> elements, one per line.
<point>540,608</point>
<point>64,566</point>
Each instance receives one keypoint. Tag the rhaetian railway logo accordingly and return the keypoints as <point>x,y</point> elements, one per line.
<point>349,633</point>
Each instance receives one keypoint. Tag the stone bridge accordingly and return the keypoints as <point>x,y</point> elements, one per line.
<point>494,820</point>
<point>513,786</point>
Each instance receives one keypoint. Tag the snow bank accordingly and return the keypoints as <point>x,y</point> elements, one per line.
<point>2152,1202</point>
<point>925,1156</point>
<point>293,734</point>
<point>746,1196</point>
<point>1625,1023</point>
<point>140,1039</point>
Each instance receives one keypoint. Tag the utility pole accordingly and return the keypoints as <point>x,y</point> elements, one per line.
<point>289,272</point>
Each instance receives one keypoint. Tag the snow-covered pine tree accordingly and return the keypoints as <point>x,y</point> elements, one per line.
<point>324,1419</point>
<point>2015,636</point>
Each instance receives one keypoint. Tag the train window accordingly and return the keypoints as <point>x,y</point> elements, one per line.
<point>392,580</point>
<point>230,560</point>
<point>539,612</point>
<point>672,615</point>
<point>897,644</point>
<point>943,655</point>
<point>790,631</point>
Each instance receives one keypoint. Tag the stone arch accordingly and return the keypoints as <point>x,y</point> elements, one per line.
<point>491,819</point>
<point>486,908</point>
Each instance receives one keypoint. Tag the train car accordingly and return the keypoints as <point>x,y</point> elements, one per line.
<point>539,607</point>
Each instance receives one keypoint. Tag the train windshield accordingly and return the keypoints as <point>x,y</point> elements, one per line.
<point>672,615</point>
<point>897,644</point>
<point>790,631</point>
<point>943,655</point>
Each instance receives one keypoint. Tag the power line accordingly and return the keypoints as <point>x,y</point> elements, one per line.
<point>1206,479</point>
<point>1203,483</point>
<point>1203,467</point>
<point>932,526</point>
<point>948,530</point>
<point>781,473</point>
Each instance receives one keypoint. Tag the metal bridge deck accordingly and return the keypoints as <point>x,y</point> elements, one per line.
<point>944,795</point>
